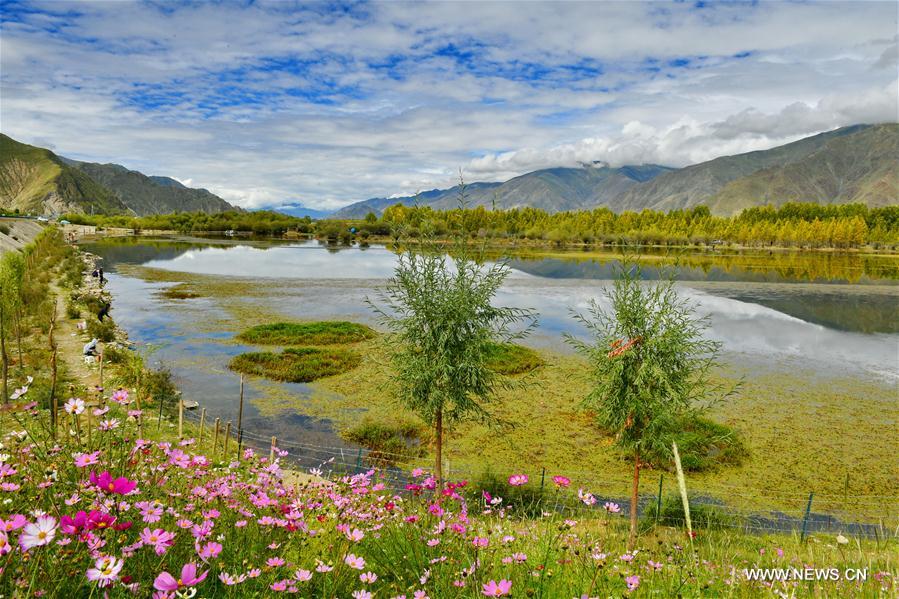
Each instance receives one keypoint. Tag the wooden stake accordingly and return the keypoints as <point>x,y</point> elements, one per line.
<point>215,440</point>
<point>227,438</point>
<point>240,420</point>
<point>101,369</point>
<point>202,422</point>
<point>271,453</point>
<point>180,418</point>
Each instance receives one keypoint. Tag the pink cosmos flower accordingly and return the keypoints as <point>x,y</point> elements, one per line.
<point>39,533</point>
<point>5,547</point>
<point>209,550</point>
<point>354,562</point>
<point>167,582</point>
<point>632,582</point>
<point>106,483</point>
<point>232,579</point>
<point>274,562</point>
<point>363,594</point>
<point>6,470</point>
<point>120,396</point>
<point>105,571</point>
<point>150,511</point>
<point>108,425</point>
<point>561,481</point>
<point>74,406</point>
<point>158,538</point>
<point>612,508</point>
<point>82,460</point>
<point>497,589</point>
<point>368,577</point>
<point>302,575</point>
<point>15,522</point>
<point>516,480</point>
<point>480,541</point>
<point>585,497</point>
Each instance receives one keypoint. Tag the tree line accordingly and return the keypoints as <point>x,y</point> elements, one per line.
<point>791,225</point>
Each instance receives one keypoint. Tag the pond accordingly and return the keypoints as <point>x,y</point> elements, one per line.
<point>819,313</point>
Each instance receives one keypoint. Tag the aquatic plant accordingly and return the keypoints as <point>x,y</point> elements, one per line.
<point>296,364</point>
<point>324,332</point>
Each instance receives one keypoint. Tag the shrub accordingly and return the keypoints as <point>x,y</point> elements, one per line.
<point>72,310</point>
<point>325,332</point>
<point>296,365</point>
<point>104,331</point>
<point>509,358</point>
<point>702,514</point>
<point>4,228</point>
<point>388,443</point>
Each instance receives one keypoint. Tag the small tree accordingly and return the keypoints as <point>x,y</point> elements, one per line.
<point>650,366</point>
<point>440,313</point>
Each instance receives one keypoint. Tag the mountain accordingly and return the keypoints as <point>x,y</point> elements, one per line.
<point>795,165</point>
<point>152,195</point>
<point>851,164</point>
<point>553,190</point>
<point>301,211</point>
<point>37,181</point>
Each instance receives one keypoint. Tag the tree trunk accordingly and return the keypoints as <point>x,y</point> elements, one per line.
<point>632,539</point>
<point>19,337</point>
<point>438,466</point>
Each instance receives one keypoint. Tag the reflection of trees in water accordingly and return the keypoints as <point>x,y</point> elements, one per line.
<point>739,266</point>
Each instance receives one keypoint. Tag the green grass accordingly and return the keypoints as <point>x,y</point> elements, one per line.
<point>388,442</point>
<point>326,332</point>
<point>510,358</point>
<point>296,365</point>
<point>180,291</point>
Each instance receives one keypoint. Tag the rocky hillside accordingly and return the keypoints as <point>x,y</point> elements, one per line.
<point>851,164</point>
<point>36,181</point>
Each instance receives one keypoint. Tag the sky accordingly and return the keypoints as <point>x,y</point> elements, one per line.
<point>324,104</point>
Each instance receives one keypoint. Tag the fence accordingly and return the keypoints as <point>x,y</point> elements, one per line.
<point>718,505</point>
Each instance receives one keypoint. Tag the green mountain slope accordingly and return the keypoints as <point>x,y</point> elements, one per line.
<point>861,167</point>
<point>152,195</point>
<point>35,180</point>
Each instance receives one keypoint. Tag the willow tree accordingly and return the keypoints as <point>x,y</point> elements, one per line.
<point>650,365</point>
<point>443,323</point>
<point>12,268</point>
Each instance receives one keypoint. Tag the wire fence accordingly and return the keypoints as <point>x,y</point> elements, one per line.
<point>715,505</point>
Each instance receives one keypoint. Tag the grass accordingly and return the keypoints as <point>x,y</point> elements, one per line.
<point>179,292</point>
<point>296,365</point>
<point>389,443</point>
<point>511,359</point>
<point>326,332</point>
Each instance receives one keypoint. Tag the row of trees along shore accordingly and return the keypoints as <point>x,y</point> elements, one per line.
<point>791,225</point>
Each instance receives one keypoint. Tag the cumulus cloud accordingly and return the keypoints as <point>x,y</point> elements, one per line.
<point>308,104</point>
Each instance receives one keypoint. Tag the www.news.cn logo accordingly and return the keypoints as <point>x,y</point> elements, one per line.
<point>806,574</point>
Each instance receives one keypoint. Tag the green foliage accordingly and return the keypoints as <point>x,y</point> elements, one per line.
<point>527,501</point>
<point>703,445</point>
<point>104,331</point>
<point>324,332</point>
<point>296,365</point>
<point>511,359</point>
<point>179,291</point>
<point>388,442</point>
<point>650,361</point>
<point>703,515</point>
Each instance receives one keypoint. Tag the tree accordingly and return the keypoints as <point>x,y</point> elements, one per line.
<point>650,366</point>
<point>12,268</point>
<point>440,314</point>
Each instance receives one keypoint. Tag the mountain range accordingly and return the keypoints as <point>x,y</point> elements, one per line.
<point>37,181</point>
<point>852,164</point>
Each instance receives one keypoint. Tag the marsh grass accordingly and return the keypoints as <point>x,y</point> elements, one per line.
<point>389,443</point>
<point>178,292</point>
<point>511,358</point>
<point>325,332</point>
<point>296,365</point>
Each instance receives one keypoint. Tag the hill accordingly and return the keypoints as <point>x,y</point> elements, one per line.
<point>35,180</point>
<point>847,165</point>
<point>145,195</point>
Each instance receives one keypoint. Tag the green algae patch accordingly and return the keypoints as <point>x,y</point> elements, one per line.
<point>325,332</point>
<point>179,291</point>
<point>296,365</point>
<point>510,358</point>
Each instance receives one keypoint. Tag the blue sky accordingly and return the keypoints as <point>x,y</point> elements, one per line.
<point>328,103</point>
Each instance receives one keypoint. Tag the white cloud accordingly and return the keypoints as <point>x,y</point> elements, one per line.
<point>297,104</point>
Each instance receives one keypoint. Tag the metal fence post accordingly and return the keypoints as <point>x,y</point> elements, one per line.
<point>808,509</point>
<point>659,499</point>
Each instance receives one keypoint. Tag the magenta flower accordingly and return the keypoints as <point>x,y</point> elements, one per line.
<point>480,541</point>
<point>106,483</point>
<point>209,550</point>
<point>516,480</point>
<point>632,582</point>
<point>82,460</point>
<point>561,481</point>
<point>167,582</point>
<point>159,539</point>
<point>497,589</point>
<point>120,396</point>
<point>14,522</point>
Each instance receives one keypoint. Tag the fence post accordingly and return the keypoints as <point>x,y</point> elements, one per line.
<point>271,452</point>
<point>808,510</point>
<point>202,422</point>
<point>101,368</point>
<point>227,437</point>
<point>180,418</point>
<point>542,480</point>
<point>359,461</point>
<point>215,440</point>
<point>659,499</point>
<point>240,420</point>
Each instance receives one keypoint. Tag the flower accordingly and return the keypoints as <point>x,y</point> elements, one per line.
<point>480,541</point>
<point>363,594</point>
<point>105,571</point>
<point>354,562</point>
<point>83,460</point>
<point>41,532</point>
<point>585,497</point>
<point>209,550</point>
<point>368,577</point>
<point>74,406</point>
<point>302,575</point>
<point>497,589</point>
<point>120,396</point>
<point>612,508</point>
<point>561,481</point>
<point>105,482</point>
<point>188,578</point>
<point>841,540</point>
<point>632,582</point>
<point>158,538</point>
<point>516,480</point>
